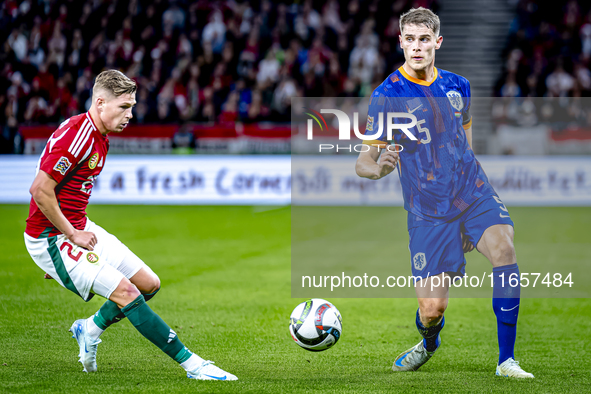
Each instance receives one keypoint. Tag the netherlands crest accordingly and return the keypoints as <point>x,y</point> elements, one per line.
<point>419,261</point>
<point>455,100</point>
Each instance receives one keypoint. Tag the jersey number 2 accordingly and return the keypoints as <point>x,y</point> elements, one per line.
<point>69,247</point>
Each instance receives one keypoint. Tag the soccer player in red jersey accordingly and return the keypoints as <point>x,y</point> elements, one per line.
<point>80,255</point>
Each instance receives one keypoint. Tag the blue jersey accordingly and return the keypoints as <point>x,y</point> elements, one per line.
<point>439,174</point>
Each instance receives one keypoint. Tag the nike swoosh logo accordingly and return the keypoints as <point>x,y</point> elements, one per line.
<point>399,361</point>
<point>507,310</point>
<point>215,377</point>
<point>410,112</point>
<point>79,332</point>
<point>504,216</point>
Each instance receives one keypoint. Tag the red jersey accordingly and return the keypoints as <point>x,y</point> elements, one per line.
<point>74,157</point>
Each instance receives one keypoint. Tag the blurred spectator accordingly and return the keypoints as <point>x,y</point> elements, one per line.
<point>559,82</point>
<point>183,141</point>
<point>548,50</point>
<point>214,32</point>
<point>268,69</point>
<point>18,43</point>
<point>510,88</point>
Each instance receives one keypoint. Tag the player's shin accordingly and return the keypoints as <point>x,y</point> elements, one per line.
<point>506,296</point>
<point>107,315</point>
<point>153,328</point>
<point>430,334</point>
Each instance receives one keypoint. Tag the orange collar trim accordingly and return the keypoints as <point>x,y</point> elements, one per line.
<point>416,80</point>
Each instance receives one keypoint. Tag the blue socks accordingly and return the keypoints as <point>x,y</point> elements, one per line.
<point>506,307</point>
<point>430,334</point>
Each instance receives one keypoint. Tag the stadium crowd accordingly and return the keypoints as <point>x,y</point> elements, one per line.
<point>548,53</point>
<point>199,61</point>
<point>547,70</point>
<point>227,61</point>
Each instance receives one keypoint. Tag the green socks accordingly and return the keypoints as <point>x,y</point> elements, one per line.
<point>151,326</point>
<point>110,313</point>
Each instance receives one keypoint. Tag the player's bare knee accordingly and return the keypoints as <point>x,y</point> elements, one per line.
<point>504,253</point>
<point>154,285</point>
<point>129,291</point>
<point>151,283</point>
<point>432,316</point>
<point>125,293</point>
<point>431,312</point>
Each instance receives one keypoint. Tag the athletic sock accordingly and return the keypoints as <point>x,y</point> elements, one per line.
<point>506,307</point>
<point>109,313</point>
<point>192,362</point>
<point>92,329</point>
<point>153,328</point>
<point>430,334</point>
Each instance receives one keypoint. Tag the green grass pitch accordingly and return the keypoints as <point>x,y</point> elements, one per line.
<point>225,275</point>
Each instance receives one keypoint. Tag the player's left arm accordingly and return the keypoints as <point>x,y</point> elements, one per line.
<point>43,192</point>
<point>469,135</point>
<point>466,114</point>
<point>467,125</point>
<point>466,244</point>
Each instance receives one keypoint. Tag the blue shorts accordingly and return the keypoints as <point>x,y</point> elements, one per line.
<point>436,246</point>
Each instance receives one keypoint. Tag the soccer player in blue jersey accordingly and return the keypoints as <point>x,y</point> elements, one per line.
<point>451,205</point>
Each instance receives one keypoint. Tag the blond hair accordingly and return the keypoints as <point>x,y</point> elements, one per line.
<point>420,16</point>
<point>115,83</point>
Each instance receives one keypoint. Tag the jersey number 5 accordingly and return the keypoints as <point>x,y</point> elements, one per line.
<point>425,130</point>
<point>68,246</point>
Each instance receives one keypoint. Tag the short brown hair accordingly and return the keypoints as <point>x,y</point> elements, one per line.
<point>420,16</point>
<point>114,82</point>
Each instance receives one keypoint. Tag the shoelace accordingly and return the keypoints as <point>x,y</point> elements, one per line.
<point>205,364</point>
<point>514,366</point>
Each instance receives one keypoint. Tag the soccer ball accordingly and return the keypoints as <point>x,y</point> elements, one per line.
<point>315,325</point>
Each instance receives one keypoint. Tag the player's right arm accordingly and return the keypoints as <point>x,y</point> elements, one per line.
<point>370,164</point>
<point>381,158</point>
<point>43,192</point>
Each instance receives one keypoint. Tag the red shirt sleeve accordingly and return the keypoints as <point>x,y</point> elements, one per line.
<point>68,145</point>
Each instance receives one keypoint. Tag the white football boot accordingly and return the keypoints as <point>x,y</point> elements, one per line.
<point>511,369</point>
<point>87,355</point>
<point>208,371</point>
<point>413,358</point>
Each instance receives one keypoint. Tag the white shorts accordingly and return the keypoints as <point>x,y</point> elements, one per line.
<point>82,271</point>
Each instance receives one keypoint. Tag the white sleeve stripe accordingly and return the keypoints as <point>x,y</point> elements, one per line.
<point>91,122</point>
<point>79,136</point>
<point>88,151</point>
<point>80,146</point>
<point>80,132</point>
<point>86,131</point>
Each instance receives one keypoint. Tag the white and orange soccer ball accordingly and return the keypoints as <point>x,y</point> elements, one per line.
<point>316,325</point>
